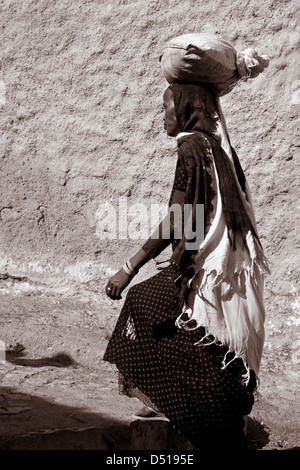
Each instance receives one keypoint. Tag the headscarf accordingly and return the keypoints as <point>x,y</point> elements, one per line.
<point>195,106</point>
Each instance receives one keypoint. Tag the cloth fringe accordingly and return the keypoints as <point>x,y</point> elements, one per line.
<point>213,340</point>
<point>212,279</point>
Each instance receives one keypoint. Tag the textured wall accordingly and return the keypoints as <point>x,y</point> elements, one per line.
<point>81,125</point>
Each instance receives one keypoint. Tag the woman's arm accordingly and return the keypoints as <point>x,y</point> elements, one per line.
<point>159,240</point>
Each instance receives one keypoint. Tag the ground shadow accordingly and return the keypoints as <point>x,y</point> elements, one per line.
<point>257,434</point>
<point>44,425</point>
<point>16,355</point>
<point>33,423</point>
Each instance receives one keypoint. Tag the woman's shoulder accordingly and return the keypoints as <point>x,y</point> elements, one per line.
<point>193,144</point>
<point>190,138</point>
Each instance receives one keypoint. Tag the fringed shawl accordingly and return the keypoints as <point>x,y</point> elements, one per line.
<point>222,280</point>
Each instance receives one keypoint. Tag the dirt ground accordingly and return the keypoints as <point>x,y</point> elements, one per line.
<point>54,381</point>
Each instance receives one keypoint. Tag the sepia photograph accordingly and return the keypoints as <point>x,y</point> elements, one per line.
<point>149,228</point>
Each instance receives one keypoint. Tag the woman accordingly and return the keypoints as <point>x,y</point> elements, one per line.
<point>189,340</point>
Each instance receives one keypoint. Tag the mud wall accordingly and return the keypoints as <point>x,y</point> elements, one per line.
<point>81,126</point>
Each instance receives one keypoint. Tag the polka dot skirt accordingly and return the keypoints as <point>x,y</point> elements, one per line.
<point>183,381</point>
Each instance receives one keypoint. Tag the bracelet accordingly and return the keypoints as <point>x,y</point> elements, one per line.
<point>129,269</point>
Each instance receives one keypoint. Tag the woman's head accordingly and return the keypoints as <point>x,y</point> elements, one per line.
<point>193,107</point>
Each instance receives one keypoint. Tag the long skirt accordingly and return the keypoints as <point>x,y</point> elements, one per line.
<point>182,380</point>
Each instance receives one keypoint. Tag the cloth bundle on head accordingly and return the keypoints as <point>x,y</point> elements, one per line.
<point>206,58</point>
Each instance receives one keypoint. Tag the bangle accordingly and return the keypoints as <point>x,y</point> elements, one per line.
<point>129,269</point>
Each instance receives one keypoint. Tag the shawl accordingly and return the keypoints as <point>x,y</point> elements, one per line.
<point>221,280</point>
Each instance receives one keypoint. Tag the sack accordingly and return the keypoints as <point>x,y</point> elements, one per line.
<point>202,58</point>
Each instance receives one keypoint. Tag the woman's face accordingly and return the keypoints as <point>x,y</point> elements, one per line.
<point>170,121</point>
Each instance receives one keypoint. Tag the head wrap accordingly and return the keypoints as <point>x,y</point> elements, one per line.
<point>195,107</point>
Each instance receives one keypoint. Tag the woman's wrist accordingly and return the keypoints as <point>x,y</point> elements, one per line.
<point>133,265</point>
<point>129,269</point>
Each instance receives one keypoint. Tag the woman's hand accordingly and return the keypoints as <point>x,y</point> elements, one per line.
<point>119,281</point>
<point>117,284</point>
